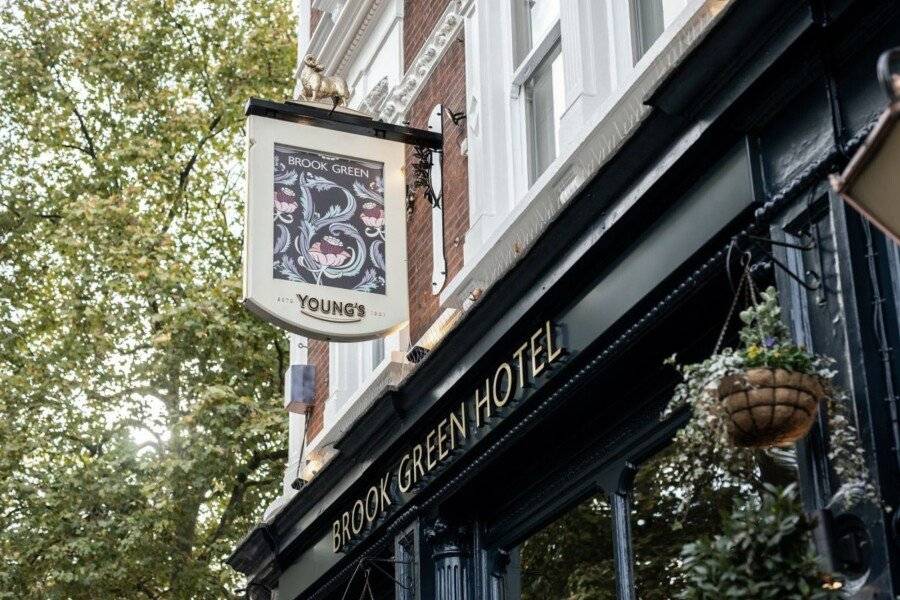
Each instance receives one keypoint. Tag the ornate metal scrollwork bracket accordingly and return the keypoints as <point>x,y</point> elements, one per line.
<point>456,117</point>
<point>422,165</point>
<point>427,171</point>
<point>810,281</point>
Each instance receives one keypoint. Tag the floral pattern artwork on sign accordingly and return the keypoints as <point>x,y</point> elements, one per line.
<point>328,215</point>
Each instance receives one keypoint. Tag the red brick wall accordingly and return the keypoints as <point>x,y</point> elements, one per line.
<point>418,21</point>
<point>446,86</point>
<point>317,355</point>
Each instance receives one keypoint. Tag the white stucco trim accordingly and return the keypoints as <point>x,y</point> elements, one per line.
<point>401,97</point>
<point>389,373</point>
<point>336,46</point>
<point>613,122</point>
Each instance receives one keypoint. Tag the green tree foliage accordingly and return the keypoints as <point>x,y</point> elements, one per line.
<point>572,558</point>
<point>698,540</point>
<point>140,424</point>
<point>659,530</point>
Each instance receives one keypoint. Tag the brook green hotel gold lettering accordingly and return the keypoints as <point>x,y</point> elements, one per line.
<point>505,384</point>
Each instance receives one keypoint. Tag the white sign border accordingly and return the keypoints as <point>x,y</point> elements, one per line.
<point>275,300</point>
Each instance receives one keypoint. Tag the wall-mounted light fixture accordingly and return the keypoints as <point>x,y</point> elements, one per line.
<point>299,391</point>
<point>871,181</point>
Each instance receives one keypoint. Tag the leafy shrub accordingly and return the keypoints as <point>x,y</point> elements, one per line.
<point>763,553</point>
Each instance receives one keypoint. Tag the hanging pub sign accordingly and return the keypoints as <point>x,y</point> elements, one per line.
<point>325,231</point>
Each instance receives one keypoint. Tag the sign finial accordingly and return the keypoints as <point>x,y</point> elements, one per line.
<point>316,86</point>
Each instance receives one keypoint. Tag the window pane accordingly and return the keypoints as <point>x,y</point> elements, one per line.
<point>544,98</point>
<point>533,20</point>
<point>651,19</point>
<point>406,567</point>
<point>572,558</point>
<point>372,583</point>
<point>659,529</point>
<point>542,14</point>
<point>377,352</point>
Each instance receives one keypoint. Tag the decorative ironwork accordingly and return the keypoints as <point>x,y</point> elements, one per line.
<point>372,563</point>
<point>456,117</point>
<point>424,160</point>
<point>753,243</point>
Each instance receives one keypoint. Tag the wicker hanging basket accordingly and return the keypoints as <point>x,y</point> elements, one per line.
<point>769,407</point>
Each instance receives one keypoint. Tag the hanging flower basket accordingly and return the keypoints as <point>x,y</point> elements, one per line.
<point>769,406</point>
<point>750,396</point>
<point>766,391</point>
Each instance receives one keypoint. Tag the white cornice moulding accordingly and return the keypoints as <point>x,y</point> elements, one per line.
<point>433,49</point>
<point>360,27</point>
<point>615,121</point>
<point>329,6</point>
<point>316,40</point>
<point>374,100</point>
<point>389,374</point>
<point>336,47</point>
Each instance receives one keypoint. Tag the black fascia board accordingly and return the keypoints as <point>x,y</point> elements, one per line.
<point>702,74</point>
<point>341,121</point>
<point>549,265</point>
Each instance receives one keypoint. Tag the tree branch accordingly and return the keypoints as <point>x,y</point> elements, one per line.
<point>147,444</point>
<point>185,173</point>
<point>91,149</point>
<point>81,149</point>
<point>243,482</point>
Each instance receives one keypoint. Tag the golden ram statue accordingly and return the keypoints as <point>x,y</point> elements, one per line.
<point>316,86</point>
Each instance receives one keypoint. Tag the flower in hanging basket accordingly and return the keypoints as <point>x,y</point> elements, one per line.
<point>774,398</point>
<point>764,393</point>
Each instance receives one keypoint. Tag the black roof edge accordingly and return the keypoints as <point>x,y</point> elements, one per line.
<point>341,121</point>
<point>700,74</point>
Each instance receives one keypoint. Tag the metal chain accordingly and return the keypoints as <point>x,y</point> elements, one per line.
<point>737,295</point>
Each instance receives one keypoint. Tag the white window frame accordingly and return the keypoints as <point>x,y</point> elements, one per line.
<point>604,87</point>
<point>635,29</point>
<point>349,366</point>
<point>354,381</point>
<point>534,58</point>
<point>524,175</point>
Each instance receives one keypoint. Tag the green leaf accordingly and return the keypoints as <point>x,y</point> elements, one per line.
<point>135,392</point>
